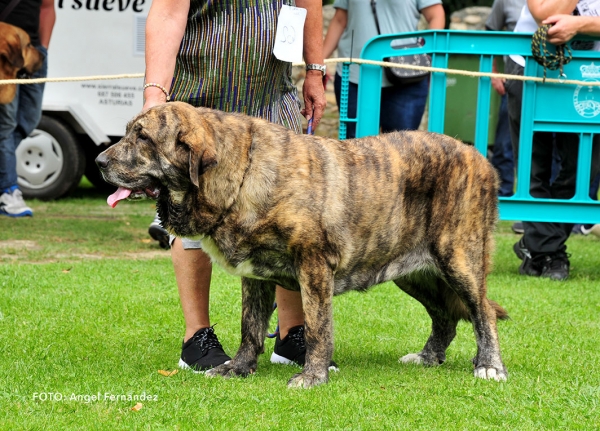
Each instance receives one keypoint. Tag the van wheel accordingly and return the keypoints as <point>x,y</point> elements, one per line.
<point>50,162</point>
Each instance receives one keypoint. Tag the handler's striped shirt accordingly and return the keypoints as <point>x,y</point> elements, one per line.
<point>226,61</point>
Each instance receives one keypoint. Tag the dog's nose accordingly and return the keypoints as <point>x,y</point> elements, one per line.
<point>102,160</point>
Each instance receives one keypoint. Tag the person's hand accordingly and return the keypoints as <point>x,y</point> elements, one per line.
<point>498,85</point>
<point>564,28</point>
<point>314,97</point>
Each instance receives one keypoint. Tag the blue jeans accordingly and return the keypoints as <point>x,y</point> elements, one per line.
<point>502,157</point>
<point>402,108</point>
<point>17,120</point>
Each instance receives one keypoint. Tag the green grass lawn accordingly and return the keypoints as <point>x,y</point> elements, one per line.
<point>89,311</point>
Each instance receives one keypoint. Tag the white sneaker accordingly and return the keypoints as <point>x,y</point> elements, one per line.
<point>595,230</point>
<point>12,203</point>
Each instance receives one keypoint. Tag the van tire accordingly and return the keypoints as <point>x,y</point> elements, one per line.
<point>50,161</point>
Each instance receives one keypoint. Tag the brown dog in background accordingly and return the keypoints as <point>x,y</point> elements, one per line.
<point>322,216</point>
<point>16,53</point>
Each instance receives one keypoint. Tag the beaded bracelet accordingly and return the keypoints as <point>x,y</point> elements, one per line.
<point>164,90</point>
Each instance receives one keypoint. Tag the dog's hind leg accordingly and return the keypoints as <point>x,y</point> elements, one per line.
<point>257,307</point>
<point>437,299</point>
<point>468,280</point>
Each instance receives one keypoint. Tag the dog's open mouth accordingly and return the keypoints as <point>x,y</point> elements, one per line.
<point>123,193</point>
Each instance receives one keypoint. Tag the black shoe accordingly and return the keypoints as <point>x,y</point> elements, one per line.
<point>556,266</point>
<point>517,227</point>
<point>529,266</point>
<point>582,229</point>
<point>292,349</point>
<point>202,351</point>
<point>159,233</point>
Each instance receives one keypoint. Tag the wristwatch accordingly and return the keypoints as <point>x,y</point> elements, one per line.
<point>321,67</point>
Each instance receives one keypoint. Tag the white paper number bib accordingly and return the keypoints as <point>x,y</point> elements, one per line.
<point>589,7</point>
<point>290,34</point>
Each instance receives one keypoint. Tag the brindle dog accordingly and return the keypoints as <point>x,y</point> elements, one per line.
<point>322,216</point>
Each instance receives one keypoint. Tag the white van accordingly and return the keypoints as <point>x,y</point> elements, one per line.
<point>80,119</point>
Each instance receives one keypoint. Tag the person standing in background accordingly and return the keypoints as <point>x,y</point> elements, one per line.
<point>19,117</point>
<point>542,248</point>
<point>353,24</point>
<point>504,16</point>
<point>220,55</point>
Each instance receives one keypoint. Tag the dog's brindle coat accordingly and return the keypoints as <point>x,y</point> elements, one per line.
<point>16,53</point>
<point>323,216</point>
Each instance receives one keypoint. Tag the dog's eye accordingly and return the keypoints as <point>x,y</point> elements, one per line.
<point>142,138</point>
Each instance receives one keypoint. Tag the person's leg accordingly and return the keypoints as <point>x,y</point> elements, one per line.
<point>556,162</point>
<point>11,198</point>
<point>541,238</point>
<point>289,310</point>
<point>514,91</point>
<point>595,174</point>
<point>588,228</point>
<point>352,101</point>
<point>18,119</point>
<point>594,187</point>
<point>193,270</point>
<point>201,349</point>
<point>546,240</point>
<point>563,186</point>
<point>8,161</point>
<point>290,347</point>
<point>502,158</point>
<point>30,102</point>
<point>402,108</point>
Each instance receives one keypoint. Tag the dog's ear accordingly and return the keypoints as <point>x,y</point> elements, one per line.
<point>200,162</point>
<point>202,150</point>
<point>12,53</point>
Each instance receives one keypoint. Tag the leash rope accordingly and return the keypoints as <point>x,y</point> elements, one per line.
<point>544,56</point>
<point>471,74</point>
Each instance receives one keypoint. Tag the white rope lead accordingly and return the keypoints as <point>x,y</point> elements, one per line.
<point>471,74</point>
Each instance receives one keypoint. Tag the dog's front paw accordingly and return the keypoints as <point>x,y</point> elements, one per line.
<point>230,369</point>
<point>490,373</point>
<point>306,380</point>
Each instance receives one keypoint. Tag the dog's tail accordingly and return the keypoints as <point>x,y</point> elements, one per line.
<point>501,313</point>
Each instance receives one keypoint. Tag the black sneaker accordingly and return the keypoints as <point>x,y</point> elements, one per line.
<point>556,266</point>
<point>202,351</point>
<point>159,233</point>
<point>529,266</point>
<point>517,227</point>
<point>582,229</point>
<point>292,349</point>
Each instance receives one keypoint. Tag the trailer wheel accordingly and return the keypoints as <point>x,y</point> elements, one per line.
<point>50,162</point>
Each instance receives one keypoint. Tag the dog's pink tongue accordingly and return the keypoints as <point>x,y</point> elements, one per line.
<point>117,196</point>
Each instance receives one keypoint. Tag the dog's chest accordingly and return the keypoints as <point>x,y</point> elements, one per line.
<point>245,268</point>
<point>255,261</point>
